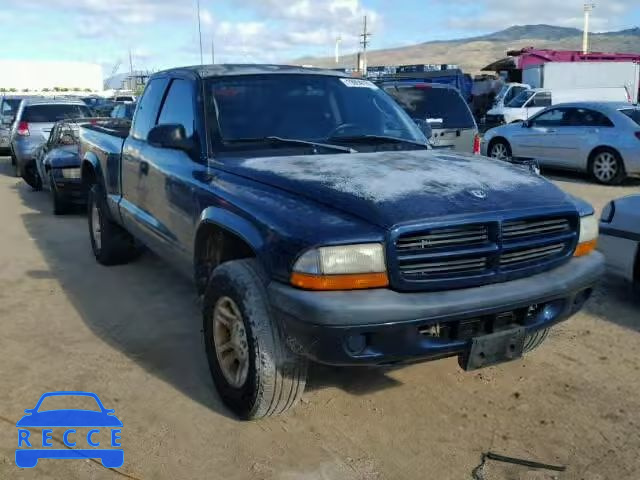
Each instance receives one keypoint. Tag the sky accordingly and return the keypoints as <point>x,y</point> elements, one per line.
<point>164,33</point>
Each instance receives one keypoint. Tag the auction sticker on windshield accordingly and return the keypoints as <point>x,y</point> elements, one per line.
<point>357,83</point>
<point>88,431</point>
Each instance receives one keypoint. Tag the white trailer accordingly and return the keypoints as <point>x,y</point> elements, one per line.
<point>43,76</point>
<point>571,75</point>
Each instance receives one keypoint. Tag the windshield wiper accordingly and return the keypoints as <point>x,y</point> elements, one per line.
<point>274,140</point>
<point>376,139</point>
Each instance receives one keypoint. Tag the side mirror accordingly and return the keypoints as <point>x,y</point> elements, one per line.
<point>424,127</point>
<point>170,135</point>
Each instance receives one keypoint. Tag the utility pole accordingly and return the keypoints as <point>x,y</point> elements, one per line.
<point>200,33</point>
<point>588,8</point>
<point>213,56</point>
<point>365,43</point>
<point>337,52</point>
<point>130,63</point>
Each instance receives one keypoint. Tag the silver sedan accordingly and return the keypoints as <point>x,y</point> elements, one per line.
<point>600,138</point>
<point>620,237</point>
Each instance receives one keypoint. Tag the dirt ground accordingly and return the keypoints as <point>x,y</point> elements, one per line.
<point>131,334</point>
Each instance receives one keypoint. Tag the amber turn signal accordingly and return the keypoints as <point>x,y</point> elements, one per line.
<point>585,248</point>
<point>339,282</point>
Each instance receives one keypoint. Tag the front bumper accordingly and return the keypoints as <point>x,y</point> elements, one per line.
<point>69,189</point>
<point>378,327</point>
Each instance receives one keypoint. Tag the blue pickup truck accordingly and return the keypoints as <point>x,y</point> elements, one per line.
<point>318,224</point>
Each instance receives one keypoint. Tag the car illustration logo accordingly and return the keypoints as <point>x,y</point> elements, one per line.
<point>481,194</point>
<point>94,428</point>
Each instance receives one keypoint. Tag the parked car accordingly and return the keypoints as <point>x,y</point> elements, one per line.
<point>508,93</point>
<point>620,237</point>
<point>601,138</point>
<point>319,225</point>
<point>124,98</point>
<point>8,108</point>
<point>443,108</point>
<point>34,120</point>
<point>99,105</point>
<point>58,165</point>
<point>123,111</point>
<point>530,102</point>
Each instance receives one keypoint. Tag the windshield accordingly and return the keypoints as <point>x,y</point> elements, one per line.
<point>441,107</point>
<point>54,112</point>
<point>521,99</point>
<point>303,107</point>
<point>633,114</point>
<point>503,91</point>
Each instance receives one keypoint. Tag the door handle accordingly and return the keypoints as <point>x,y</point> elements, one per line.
<point>144,167</point>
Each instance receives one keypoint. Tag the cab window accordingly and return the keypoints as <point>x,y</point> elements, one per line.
<point>148,108</point>
<point>178,106</point>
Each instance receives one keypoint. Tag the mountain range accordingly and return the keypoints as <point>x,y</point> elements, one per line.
<point>472,54</point>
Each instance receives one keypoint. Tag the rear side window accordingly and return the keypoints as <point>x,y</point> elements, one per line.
<point>148,108</point>
<point>633,114</point>
<point>53,113</point>
<point>10,106</point>
<point>583,117</point>
<point>178,106</point>
<point>442,107</point>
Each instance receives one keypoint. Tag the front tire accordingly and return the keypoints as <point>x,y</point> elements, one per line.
<point>500,150</point>
<point>60,207</point>
<point>254,371</point>
<point>31,177</point>
<point>606,167</point>
<point>111,244</point>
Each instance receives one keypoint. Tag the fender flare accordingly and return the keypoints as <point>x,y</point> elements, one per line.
<point>91,159</point>
<point>235,224</point>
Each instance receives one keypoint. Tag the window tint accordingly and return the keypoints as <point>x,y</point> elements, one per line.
<point>54,112</point>
<point>148,108</point>
<point>583,117</point>
<point>178,106</point>
<point>633,114</point>
<point>443,107</point>
<point>521,99</point>
<point>550,118</point>
<point>541,99</point>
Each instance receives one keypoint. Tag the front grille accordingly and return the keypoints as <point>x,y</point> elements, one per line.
<point>446,237</point>
<point>523,228</point>
<point>531,254</point>
<point>473,254</point>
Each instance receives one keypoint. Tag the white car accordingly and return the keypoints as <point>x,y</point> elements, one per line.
<point>602,139</point>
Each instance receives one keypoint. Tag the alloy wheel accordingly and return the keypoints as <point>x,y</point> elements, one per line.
<point>230,342</point>
<point>605,167</point>
<point>499,151</point>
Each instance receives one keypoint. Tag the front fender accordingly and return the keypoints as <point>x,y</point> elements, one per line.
<point>239,226</point>
<point>91,171</point>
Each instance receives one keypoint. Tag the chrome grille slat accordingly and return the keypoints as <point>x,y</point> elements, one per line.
<point>474,264</point>
<point>468,235</point>
<point>531,254</point>
<point>522,228</point>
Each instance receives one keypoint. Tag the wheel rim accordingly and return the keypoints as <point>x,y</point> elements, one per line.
<point>230,342</point>
<point>96,228</point>
<point>499,151</point>
<point>605,167</point>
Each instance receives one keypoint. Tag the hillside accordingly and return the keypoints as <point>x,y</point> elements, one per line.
<point>471,54</point>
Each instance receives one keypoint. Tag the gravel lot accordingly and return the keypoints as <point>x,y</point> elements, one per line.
<point>131,334</point>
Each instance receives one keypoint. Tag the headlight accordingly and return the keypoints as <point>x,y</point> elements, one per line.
<point>345,267</point>
<point>70,173</point>
<point>588,239</point>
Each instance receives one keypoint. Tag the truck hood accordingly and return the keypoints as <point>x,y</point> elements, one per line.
<point>389,188</point>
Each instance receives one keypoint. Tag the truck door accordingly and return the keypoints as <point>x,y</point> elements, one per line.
<point>136,156</point>
<point>168,176</point>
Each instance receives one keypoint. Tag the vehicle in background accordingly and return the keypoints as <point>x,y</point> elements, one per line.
<point>33,123</point>
<point>508,92</point>
<point>100,106</point>
<point>442,108</point>
<point>318,224</point>
<point>8,108</point>
<point>620,237</point>
<point>574,75</point>
<point>441,75</point>
<point>123,111</point>
<point>58,165</point>
<point>530,102</point>
<point>600,138</point>
<point>124,98</point>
